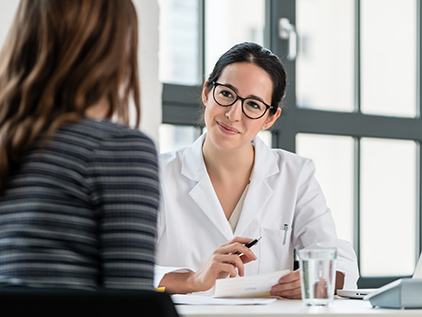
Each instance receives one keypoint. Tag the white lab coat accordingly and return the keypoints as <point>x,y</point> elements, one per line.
<point>282,191</point>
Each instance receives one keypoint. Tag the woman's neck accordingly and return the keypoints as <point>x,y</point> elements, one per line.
<point>221,162</point>
<point>99,110</point>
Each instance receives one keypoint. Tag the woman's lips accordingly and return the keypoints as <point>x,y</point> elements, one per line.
<point>226,130</point>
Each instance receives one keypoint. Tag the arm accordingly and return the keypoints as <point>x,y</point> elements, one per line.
<point>289,285</point>
<point>125,194</point>
<point>314,227</point>
<point>222,263</point>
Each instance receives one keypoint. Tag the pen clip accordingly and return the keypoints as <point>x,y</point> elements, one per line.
<point>286,227</point>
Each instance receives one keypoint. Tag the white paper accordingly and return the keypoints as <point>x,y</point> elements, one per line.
<point>248,286</point>
<point>208,300</point>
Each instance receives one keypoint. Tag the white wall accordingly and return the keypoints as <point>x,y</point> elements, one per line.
<point>151,87</point>
<point>148,58</point>
<point>7,13</point>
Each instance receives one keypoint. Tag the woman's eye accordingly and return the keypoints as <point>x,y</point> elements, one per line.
<point>226,94</point>
<point>254,105</point>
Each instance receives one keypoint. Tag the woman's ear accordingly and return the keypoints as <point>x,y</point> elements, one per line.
<point>205,93</point>
<point>271,119</point>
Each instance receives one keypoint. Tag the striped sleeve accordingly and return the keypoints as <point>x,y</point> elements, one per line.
<point>123,177</point>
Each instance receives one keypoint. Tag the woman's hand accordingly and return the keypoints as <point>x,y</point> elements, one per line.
<point>227,259</point>
<point>222,263</point>
<point>288,286</point>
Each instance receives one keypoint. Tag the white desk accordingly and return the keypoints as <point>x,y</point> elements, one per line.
<point>340,307</point>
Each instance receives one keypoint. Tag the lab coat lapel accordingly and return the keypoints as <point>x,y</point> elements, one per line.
<point>204,196</point>
<point>259,191</point>
<point>203,193</point>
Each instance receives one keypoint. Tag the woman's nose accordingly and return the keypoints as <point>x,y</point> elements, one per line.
<point>234,112</point>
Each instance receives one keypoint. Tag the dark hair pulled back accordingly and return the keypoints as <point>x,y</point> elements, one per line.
<point>256,54</point>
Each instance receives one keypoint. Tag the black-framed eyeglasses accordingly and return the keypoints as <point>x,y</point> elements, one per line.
<point>252,108</point>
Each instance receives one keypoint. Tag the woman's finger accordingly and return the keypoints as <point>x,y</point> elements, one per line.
<point>236,248</point>
<point>241,240</point>
<point>290,277</point>
<point>291,290</point>
<point>216,261</point>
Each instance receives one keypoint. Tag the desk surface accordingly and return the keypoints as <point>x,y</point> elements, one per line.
<point>340,307</point>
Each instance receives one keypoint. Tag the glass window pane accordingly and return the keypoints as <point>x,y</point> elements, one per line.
<point>178,54</point>
<point>333,158</point>
<point>230,22</point>
<point>325,63</point>
<point>173,137</point>
<point>388,60</point>
<point>388,204</point>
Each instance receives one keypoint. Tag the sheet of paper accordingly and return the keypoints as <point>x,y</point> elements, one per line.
<point>192,299</point>
<point>248,286</point>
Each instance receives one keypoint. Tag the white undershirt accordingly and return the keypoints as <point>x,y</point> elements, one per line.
<point>234,218</point>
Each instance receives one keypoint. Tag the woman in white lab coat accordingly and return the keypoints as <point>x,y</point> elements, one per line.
<point>229,187</point>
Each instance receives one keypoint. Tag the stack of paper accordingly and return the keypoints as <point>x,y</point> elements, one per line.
<point>235,291</point>
<point>248,286</point>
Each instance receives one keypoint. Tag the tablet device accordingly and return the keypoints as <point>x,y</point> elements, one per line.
<point>361,293</point>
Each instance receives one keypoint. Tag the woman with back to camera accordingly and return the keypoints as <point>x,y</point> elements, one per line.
<point>229,187</point>
<point>79,193</point>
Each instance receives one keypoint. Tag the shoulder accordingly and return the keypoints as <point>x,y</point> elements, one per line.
<point>188,160</point>
<point>105,142</point>
<point>103,130</point>
<point>170,160</point>
<point>107,134</point>
<point>278,160</point>
<point>297,165</point>
<point>290,158</point>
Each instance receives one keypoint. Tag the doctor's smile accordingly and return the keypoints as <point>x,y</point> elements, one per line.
<point>227,130</point>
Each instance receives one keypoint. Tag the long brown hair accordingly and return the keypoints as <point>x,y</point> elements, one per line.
<point>60,58</point>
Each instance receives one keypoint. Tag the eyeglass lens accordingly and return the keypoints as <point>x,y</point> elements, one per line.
<point>225,96</point>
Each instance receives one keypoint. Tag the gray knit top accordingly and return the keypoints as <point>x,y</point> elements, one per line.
<point>81,212</point>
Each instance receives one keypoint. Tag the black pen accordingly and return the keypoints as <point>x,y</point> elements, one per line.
<point>250,244</point>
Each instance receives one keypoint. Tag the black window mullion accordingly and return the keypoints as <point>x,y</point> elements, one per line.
<point>285,127</point>
<point>181,104</point>
<point>356,200</point>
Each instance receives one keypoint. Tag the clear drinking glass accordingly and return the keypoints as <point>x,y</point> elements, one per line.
<point>317,276</point>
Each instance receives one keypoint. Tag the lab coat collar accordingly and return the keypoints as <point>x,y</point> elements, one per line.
<point>265,159</point>
<point>193,167</point>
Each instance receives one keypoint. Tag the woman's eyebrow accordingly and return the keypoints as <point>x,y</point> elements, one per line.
<point>255,97</point>
<point>231,87</point>
<point>237,92</point>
